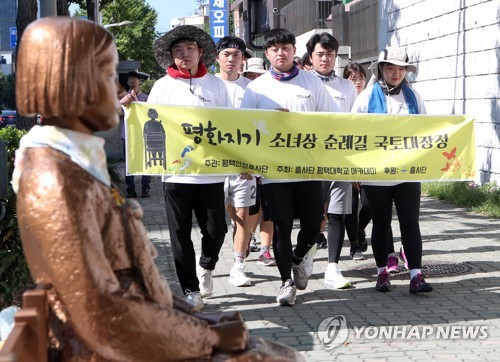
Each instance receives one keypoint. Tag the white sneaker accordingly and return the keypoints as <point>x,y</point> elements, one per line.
<point>299,275</point>
<point>308,260</point>
<point>194,298</point>
<point>287,294</point>
<point>237,275</point>
<point>335,279</point>
<point>206,282</point>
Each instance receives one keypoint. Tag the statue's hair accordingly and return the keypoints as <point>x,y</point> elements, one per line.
<point>58,68</point>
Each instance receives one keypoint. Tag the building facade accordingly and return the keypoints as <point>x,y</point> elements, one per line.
<point>8,12</point>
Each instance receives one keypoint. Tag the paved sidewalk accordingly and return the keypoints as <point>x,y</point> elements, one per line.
<point>462,258</point>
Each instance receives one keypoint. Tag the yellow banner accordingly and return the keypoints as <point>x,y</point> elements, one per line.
<point>175,140</point>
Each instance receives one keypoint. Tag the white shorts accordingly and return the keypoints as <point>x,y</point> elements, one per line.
<point>239,192</point>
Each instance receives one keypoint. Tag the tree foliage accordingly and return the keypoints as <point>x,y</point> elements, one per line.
<point>7,92</point>
<point>14,272</point>
<point>134,41</point>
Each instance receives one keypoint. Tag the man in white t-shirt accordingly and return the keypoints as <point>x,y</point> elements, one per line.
<point>186,52</point>
<point>322,49</point>
<point>286,88</point>
<point>240,190</point>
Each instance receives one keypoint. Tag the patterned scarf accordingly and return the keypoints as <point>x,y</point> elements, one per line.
<point>284,76</point>
<point>174,72</point>
<point>324,78</point>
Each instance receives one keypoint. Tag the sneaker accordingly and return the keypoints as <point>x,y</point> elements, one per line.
<point>194,299</point>
<point>383,282</point>
<point>392,264</point>
<point>402,256</point>
<point>356,254</point>
<point>287,294</point>
<point>253,244</point>
<point>237,275</point>
<point>299,275</point>
<point>131,194</point>
<point>322,242</point>
<point>266,259</point>
<point>335,279</point>
<point>206,282</point>
<point>419,285</point>
<point>145,193</point>
<point>363,244</point>
<point>308,260</point>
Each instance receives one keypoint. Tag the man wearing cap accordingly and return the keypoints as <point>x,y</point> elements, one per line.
<point>286,88</point>
<point>134,80</point>
<point>388,92</point>
<point>239,189</point>
<point>186,52</point>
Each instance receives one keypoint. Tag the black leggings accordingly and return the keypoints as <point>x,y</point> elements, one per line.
<point>282,244</point>
<point>336,234</point>
<point>354,223</point>
<point>406,197</point>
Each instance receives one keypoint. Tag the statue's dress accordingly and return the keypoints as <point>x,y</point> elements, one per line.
<point>108,300</point>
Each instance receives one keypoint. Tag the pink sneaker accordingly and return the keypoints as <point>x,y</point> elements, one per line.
<point>392,264</point>
<point>266,259</point>
<point>402,256</point>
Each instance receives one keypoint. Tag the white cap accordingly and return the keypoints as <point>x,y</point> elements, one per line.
<point>254,65</point>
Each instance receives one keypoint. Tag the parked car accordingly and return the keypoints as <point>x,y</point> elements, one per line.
<point>8,118</point>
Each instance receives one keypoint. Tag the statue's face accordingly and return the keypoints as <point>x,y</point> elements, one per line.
<point>104,114</point>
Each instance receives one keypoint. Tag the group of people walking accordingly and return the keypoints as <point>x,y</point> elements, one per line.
<point>186,52</point>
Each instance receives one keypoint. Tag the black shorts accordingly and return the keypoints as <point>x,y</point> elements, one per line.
<point>303,199</point>
<point>260,202</point>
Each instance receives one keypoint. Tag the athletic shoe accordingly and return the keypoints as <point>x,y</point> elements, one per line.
<point>266,259</point>
<point>356,254</point>
<point>392,264</point>
<point>402,256</point>
<point>287,294</point>
<point>363,244</point>
<point>237,275</point>
<point>419,285</point>
<point>309,259</point>
<point>334,278</point>
<point>253,244</point>
<point>194,299</point>
<point>206,282</point>
<point>383,282</point>
<point>322,242</point>
<point>299,275</point>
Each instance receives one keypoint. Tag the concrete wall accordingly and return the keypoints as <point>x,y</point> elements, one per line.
<point>456,46</point>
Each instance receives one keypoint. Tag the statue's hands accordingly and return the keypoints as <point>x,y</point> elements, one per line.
<point>230,336</point>
<point>129,98</point>
<point>216,318</point>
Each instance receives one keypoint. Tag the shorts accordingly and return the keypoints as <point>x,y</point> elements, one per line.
<point>239,192</point>
<point>302,199</point>
<point>260,202</point>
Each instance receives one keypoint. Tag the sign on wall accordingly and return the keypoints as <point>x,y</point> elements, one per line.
<point>219,19</point>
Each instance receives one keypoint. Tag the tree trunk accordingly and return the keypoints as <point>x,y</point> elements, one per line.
<point>26,13</point>
<point>62,8</point>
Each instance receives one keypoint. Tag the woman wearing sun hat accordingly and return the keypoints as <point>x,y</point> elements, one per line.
<point>389,92</point>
